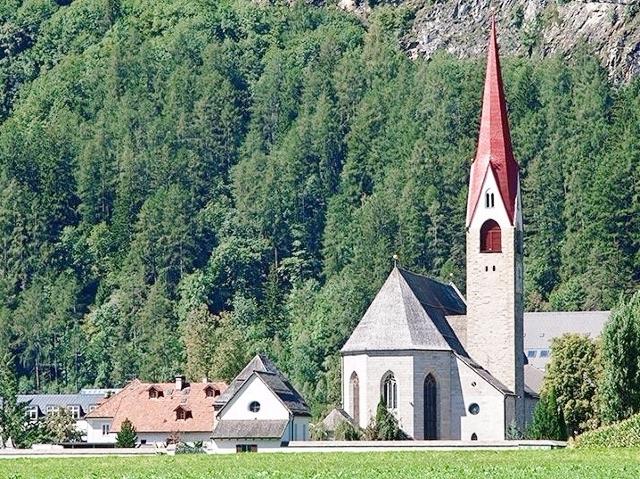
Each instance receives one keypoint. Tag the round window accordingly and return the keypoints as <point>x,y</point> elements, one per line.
<point>474,409</point>
<point>254,406</point>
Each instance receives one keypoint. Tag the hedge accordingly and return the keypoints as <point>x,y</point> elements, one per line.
<point>621,434</point>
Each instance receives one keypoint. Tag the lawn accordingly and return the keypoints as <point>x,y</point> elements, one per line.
<point>564,464</point>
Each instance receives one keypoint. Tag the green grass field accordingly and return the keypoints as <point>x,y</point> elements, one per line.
<point>561,464</point>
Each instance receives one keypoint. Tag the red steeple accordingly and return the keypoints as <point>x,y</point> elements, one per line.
<point>494,142</point>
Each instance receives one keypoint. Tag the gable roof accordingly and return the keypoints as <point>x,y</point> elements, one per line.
<point>159,414</point>
<point>277,382</point>
<point>494,150</point>
<point>408,313</point>
<point>335,417</point>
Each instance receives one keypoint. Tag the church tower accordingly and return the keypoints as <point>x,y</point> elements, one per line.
<point>494,246</point>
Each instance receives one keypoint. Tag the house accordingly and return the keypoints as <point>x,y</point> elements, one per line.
<point>446,366</point>
<point>162,413</point>
<point>78,405</point>
<point>259,410</point>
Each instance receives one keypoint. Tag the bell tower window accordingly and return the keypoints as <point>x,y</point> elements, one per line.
<point>489,200</point>
<point>490,237</point>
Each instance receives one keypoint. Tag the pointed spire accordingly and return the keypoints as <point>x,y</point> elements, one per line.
<point>494,142</point>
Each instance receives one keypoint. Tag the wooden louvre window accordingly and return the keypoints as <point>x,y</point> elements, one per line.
<point>490,237</point>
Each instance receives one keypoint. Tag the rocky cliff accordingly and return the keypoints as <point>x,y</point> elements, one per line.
<point>610,28</point>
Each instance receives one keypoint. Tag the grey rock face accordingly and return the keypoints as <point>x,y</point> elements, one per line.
<point>609,28</point>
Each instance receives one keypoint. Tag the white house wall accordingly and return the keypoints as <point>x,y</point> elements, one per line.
<point>94,432</point>
<point>271,408</point>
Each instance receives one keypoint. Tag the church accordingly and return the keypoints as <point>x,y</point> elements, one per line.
<point>446,366</point>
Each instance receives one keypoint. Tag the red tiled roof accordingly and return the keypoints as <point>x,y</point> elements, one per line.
<point>494,142</point>
<point>159,414</point>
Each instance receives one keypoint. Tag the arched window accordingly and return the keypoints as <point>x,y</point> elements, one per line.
<point>389,390</point>
<point>489,200</point>
<point>474,437</point>
<point>490,237</point>
<point>430,408</point>
<point>354,384</point>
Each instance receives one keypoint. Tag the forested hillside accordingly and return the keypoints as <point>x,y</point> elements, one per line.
<point>184,183</point>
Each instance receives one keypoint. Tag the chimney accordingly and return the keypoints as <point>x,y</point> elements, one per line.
<point>180,382</point>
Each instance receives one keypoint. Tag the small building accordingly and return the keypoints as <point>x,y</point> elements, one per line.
<point>260,410</point>
<point>332,420</point>
<point>162,413</point>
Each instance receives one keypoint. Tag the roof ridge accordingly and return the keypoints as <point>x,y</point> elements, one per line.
<point>424,276</point>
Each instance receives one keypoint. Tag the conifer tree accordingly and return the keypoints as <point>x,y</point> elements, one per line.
<point>127,436</point>
<point>548,420</point>
<point>621,361</point>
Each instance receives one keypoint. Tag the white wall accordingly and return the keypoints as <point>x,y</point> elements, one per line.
<point>489,423</point>
<point>271,408</point>
<point>94,432</point>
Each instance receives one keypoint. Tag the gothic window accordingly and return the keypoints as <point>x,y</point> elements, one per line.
<point>354,384</point>
<point>490,237</point>
<point>489,200</point>
<point>430,408</point>
<point>390,390</point>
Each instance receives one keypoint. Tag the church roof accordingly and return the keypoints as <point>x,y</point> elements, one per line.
<point>494,142</point>
<point>408,313</point>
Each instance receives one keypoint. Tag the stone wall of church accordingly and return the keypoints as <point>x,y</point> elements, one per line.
<point>458,387</point>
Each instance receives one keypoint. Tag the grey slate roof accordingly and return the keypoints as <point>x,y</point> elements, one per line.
<point>541,328</point>
<point>533,378</point>
<point>249,429</point>
<point>484,374</point>
<point>41,401</point>
<point>408,313</point>
<point>273,378</point>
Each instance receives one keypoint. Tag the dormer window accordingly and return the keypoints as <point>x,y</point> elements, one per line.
<point>183,413</point>
<point>211,392</point>
<point>489,200</point>
<point>155,393</point>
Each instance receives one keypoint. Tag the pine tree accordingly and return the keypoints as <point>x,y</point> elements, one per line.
<point>127,436</point>
<point>548,420</point>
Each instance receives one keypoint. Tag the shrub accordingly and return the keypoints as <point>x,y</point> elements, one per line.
<point>622,434</point>
<point>346,431</point>
<point>319,432</point>
<point>184,448</point>
<point>127,436</point>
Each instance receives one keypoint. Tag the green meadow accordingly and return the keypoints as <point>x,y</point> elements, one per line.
<point>531,464</point>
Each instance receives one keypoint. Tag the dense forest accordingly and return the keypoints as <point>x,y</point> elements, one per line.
<point>187,182</point>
